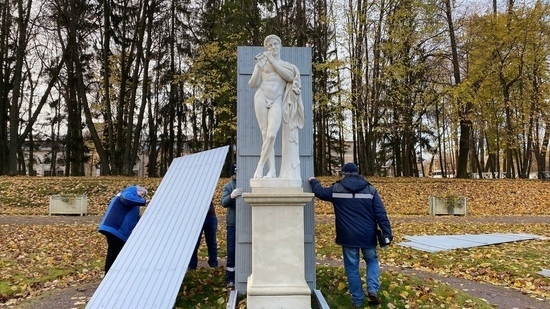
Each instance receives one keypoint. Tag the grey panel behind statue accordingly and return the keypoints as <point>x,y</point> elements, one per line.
<point>249,143</point>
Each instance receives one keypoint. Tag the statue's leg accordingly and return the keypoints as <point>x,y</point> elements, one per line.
<point>271,173</point>
<point>267,155</point>
<point>261,117</point>
<point>259,173</point>
<point>269,121</point>
<point>274,124</point>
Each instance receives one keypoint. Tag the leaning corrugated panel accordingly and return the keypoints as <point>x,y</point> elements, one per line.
<point>149,270</point>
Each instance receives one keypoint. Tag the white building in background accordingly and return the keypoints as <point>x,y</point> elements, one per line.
<point>439,174</point>
<point>42,164</point>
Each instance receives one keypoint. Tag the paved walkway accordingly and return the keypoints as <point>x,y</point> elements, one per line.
<point>49,220</point>
<point>74,219</point>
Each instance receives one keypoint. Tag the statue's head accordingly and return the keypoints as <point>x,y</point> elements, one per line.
<point>270,38</point>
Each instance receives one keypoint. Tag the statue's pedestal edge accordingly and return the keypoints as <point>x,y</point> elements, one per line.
<point>278,268</point>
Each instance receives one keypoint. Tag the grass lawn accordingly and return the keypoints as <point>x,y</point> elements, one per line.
<point>36,258</point>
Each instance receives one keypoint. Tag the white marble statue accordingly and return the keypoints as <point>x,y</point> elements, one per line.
<point>277,102</point>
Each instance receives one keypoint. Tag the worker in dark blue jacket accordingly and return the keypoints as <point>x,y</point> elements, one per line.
<point>359,213</point>
<point>120,219</point>
<point>210,230</point>
<point>230,193</point>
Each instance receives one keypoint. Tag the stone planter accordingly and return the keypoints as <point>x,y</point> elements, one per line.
<point>451,205</point>
<point>68,205</point>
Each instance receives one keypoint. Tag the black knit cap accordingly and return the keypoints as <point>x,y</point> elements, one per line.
<point>349,169</point>
<point>233,169</point>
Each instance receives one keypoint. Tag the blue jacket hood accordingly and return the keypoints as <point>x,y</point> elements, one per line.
<point>354,183</point>
<point>122,214</point>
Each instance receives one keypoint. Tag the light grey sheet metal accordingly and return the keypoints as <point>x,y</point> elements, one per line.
<point>544,272</point>
<point>420,246</point>
<point>232,301</point>
<point>434,243</point>
<point>320,299</point>
<point>150,268</point>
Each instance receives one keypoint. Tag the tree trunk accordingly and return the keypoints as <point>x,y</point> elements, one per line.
<point>104,156</point>
<point>22,40</point>
<point>4,86</point>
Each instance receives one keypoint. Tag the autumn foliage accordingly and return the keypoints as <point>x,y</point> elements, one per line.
<point>402,196</point>
<point>36,258</point>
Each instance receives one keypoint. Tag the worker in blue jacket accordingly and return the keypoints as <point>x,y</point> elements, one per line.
<point>120,219</point>
<point>359,213</point>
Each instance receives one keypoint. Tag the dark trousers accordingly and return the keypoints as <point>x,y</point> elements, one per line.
<point>231,246</point>
<point>209,229</point>
<point>114,245</point>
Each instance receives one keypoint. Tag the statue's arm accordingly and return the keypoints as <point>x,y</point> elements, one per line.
<point>285,71</point>
<point>256,78</point>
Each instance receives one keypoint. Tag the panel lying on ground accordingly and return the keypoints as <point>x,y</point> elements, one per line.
<point>544,272</point>
<point>449,242</point>
<point>150,268</point>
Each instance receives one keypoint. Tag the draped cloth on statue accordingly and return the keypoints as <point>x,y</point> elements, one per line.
<point>293,119</point>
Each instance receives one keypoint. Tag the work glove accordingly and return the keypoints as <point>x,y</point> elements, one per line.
<point>384,240</point>
<point>236,192</point>
<point>389,239</point>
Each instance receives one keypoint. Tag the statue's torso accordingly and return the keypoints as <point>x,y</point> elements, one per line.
<point>272,85</point>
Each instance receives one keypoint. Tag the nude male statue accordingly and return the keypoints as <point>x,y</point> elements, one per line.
<point>277,101</point>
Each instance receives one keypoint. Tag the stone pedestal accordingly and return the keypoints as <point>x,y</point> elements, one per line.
<point>278,271</point>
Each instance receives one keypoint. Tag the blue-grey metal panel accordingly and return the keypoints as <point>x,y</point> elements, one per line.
<point>544,272</point>
<point>249,143</point>
<point>321,302</point>
<point>150,268</point>
<point>420,246</point>
<point>232,301</point>
<point>436,243</point>
<point>448,242</point>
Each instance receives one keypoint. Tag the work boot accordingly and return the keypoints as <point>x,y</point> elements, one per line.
<point>374,299</point>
